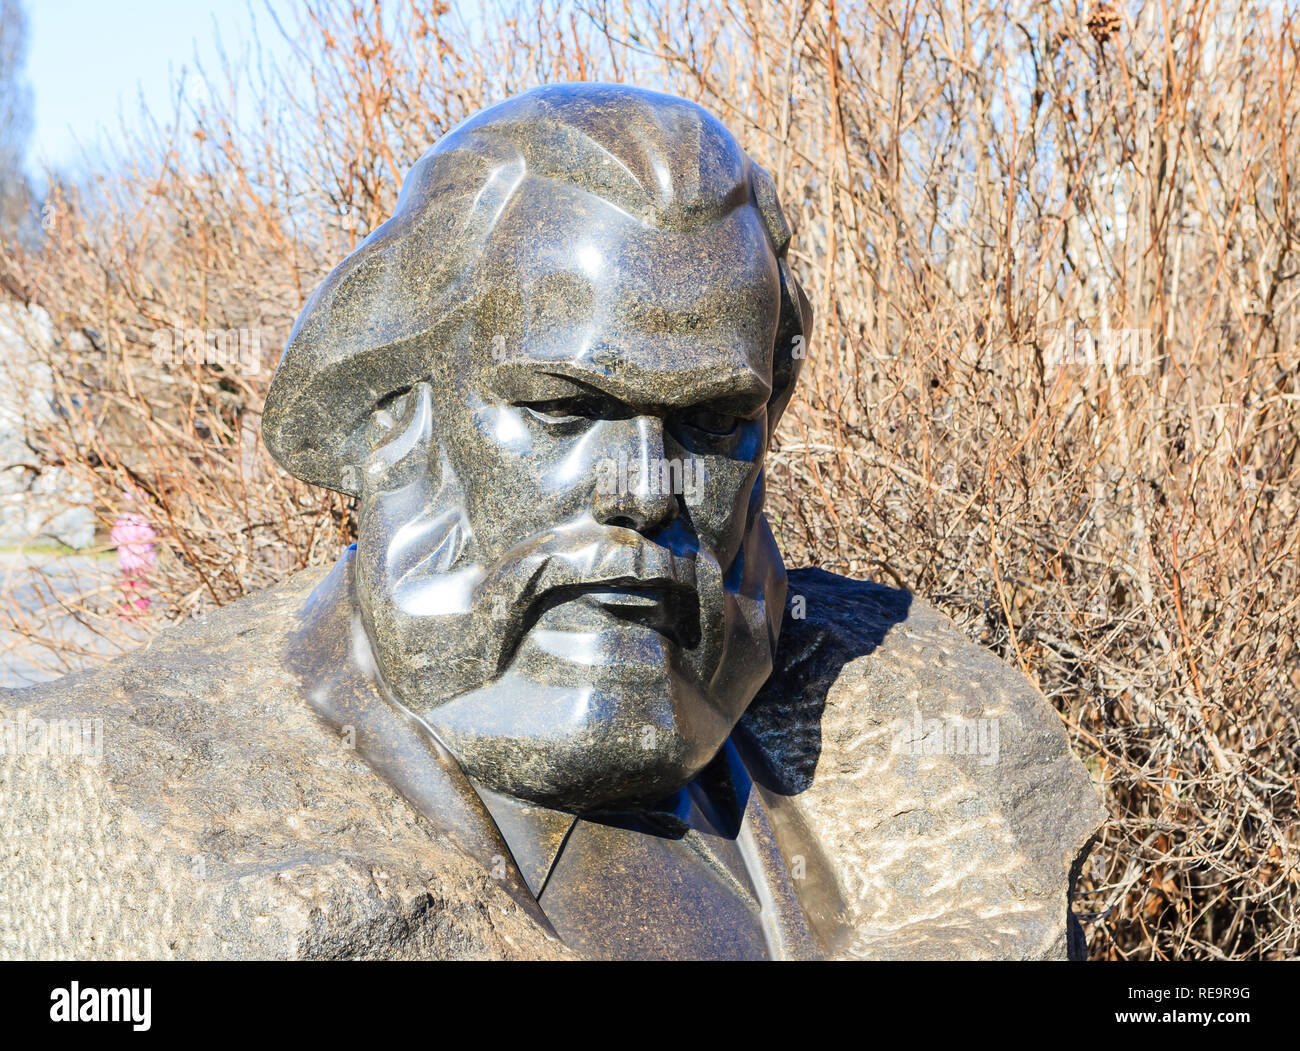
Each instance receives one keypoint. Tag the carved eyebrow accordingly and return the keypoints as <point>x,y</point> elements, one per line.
<point>521,381</point>
<point>741,390</point>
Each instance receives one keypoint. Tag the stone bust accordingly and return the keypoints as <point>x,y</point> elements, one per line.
<point>550,380</point>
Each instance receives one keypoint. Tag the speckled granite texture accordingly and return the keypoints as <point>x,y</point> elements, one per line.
<point>225,820</point>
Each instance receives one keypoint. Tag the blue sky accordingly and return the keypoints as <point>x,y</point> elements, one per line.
<point>90,60</point>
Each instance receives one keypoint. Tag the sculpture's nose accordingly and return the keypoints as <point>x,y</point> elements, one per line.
<point>636,491</point>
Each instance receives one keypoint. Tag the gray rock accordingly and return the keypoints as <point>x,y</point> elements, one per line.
<point>960,842</point>
<point>225,819</point>
<point>38,503</point>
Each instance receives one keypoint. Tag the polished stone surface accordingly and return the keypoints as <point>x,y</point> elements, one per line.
<point>702,873</point>
<point>551,379</point>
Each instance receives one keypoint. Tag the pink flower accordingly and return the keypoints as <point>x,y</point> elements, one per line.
<point>134,539</point>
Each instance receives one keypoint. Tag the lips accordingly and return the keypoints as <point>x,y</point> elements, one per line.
<point>629,598</point>
<point>668,608</point>
<point>618,560</point>
<point>615,567</point>
<point>614,578</point>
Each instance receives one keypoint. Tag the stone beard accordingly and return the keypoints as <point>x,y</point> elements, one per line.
<point>583,662</point>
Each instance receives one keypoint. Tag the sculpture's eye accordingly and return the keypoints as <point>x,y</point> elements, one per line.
<point>711,422</point>
<point>561,410</point>
<point>389,420</point>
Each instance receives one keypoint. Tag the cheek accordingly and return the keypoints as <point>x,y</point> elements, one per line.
<point>721,513</point>
<point>501,427</point>
<point>393,531</point>
<point>576,459</point>
<point>518,482</point>
<point>379,517</point>
<point>491,454</point>
<point>724,499</point>
<point>374,581</point>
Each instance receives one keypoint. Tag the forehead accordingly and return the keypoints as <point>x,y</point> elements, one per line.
<point>579,287</point>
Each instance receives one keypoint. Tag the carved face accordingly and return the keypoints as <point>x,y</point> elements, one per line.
<point>563,565</point>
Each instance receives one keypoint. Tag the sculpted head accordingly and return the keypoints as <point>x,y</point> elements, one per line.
<point>551,379</point>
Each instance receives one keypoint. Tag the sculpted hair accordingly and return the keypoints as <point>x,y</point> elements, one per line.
<point>366,333</point>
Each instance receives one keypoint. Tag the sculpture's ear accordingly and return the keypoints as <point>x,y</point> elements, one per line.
<point>794,325</point>
<point>791,346</point>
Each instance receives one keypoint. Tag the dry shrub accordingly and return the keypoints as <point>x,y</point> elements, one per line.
<point>967,182</point>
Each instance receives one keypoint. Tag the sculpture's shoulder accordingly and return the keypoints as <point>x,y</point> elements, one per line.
<point>938,779</point>
<point>184,801</point>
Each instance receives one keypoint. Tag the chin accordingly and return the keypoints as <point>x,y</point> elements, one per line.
<point>583,747</point>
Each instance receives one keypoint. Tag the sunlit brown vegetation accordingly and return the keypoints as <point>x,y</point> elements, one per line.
<point>965,180</point>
